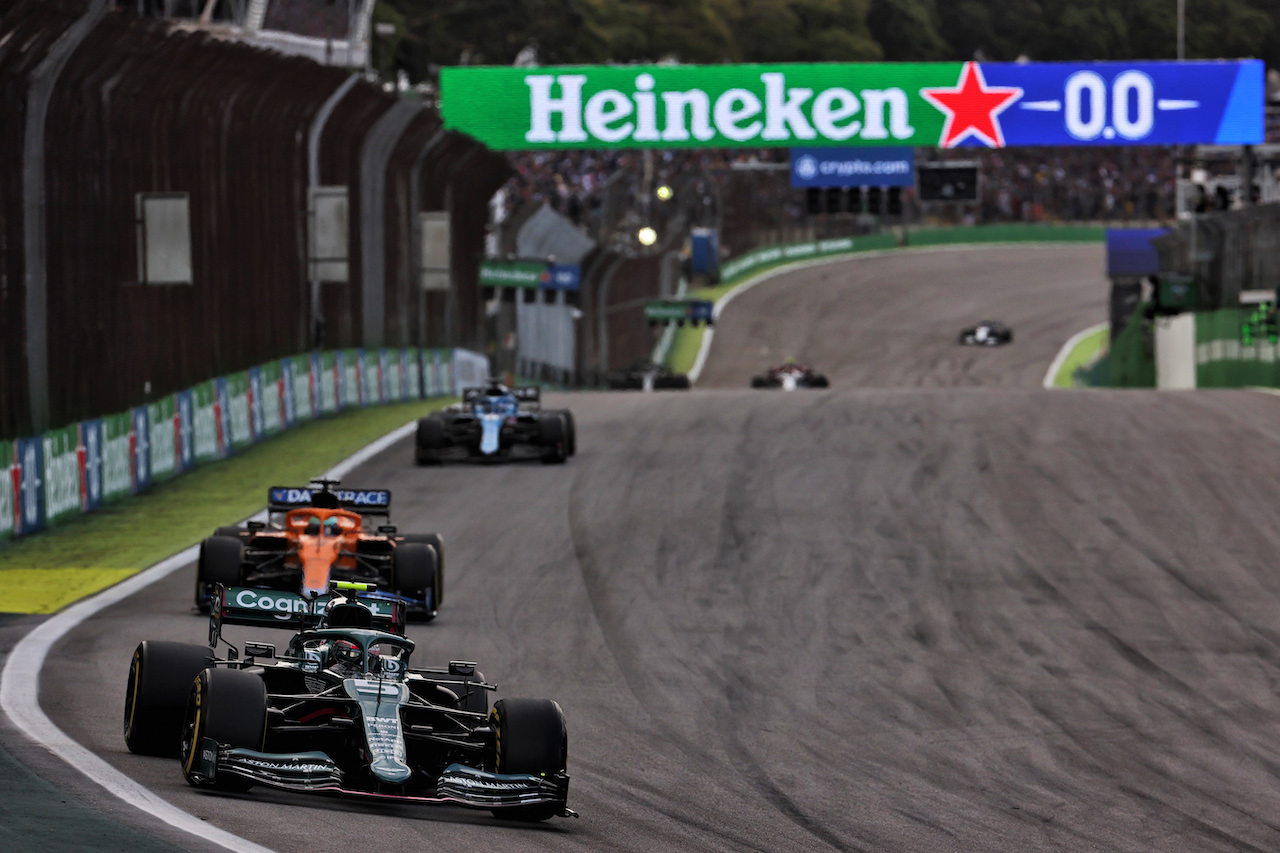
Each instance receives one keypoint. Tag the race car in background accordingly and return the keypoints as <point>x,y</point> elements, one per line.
<point>789,376</point>
<point>496,424</point>
<point>647,376</point>
<point>340,711</point>
<point>989,333</point>
<point>320,533</point>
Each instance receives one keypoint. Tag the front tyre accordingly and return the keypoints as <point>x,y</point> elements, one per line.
<point>229,707</point>
<point>155,696</point>
<point>220,561</point>
<point>436,541</point>
<point>428,441</point>
<point>415,575</point>
<point>551,435</point>
<point>530,737</point>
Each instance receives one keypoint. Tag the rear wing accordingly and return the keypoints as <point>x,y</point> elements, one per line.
<point>523,394</point>
<point>236,605</point>
<point>363,501</point>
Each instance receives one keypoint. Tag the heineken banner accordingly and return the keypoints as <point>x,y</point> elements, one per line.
<point>117,456</point>
<point>206,431</point>
<point>328,382</point>
<point>61,474</point>
<point>162,439</point>
<point>942,104</point>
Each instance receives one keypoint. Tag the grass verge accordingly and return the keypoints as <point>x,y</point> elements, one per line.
<point>1082,356</point>
<point>47,571</point>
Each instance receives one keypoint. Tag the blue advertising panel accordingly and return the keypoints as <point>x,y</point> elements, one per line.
<point>1130,253</point>
<point>562,277</point>
<point>90,447</point>
<point>256,426</point>
<point>141,449</point>
<point>185,410</point>
<point>289,410</point>
<point>222,416</point>
<point>1102,103</point>
<point>853,167</point>
<point>29,497</point>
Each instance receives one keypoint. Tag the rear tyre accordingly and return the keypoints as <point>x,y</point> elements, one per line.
<point>530,737</point>
<point>551,435</point>
<point>759,382</point>
<point>570,433</point>
<point>230,707</point>
<point>414,575</point>
<point>681,382</point>
<point>820,381</point>
<point>155,696</point>
<point>428,441</point>
<point>436,541</point>
<point>220,562</point>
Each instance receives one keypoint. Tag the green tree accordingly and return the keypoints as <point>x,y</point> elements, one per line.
<point>907,30</point>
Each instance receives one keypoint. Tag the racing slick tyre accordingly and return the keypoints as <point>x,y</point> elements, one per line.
<point>759,382</point>
<point>428,441</point>
<point>551,435</point>
<point>156,694</point>
<point>570,432</point>
<point>436,541</point>
<point>230,707</point>
<point>820,381</point>
<point>414,574</point>
<point>530,737</point>
<point>219,562</point>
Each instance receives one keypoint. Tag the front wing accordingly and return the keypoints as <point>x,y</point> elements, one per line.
<point>316,772</point>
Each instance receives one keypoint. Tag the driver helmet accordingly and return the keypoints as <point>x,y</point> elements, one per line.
<point>345,653</point>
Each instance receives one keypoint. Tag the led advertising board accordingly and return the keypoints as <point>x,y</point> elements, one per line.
<point>938,104</point>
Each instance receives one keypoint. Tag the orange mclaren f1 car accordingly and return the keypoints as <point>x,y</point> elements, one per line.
<point>319,534</point>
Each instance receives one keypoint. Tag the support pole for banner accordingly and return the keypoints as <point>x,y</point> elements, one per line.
<point>34,220</point>
<point>602,315</point>
<point>313,181</point>
<point>379,143</point>
<point>419,331</point>
<point>1182,29</point>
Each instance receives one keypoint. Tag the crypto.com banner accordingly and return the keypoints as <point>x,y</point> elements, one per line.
<point>943,104</point>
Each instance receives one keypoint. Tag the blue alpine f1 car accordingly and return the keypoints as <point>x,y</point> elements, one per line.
<point>496,424</point>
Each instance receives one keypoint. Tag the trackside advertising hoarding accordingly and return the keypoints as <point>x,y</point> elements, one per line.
<point>942,104</point>
<point>76,469</point>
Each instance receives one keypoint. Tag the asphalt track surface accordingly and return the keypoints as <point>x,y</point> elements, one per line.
<point>952,612</point>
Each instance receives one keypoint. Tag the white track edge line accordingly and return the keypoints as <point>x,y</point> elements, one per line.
<point>1065,352</point>
<point>20,683</point>
<point>704,347</point>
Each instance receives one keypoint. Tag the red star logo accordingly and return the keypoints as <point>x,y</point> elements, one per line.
<point>972,107</point>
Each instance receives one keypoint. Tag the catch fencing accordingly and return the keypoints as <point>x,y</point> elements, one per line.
<point>1226,253</point>
<point>108,111</point>
<point>48,478</point>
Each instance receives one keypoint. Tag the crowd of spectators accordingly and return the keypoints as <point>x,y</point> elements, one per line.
<point>1074,184</point>
<point>604,191</point>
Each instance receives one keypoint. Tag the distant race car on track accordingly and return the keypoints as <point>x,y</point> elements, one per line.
<point>340,711</point>
<point>989,333</point>
<point>647,376</point>
<point>496,424</point>
<point>318,534</point>
<point>790,376</point>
